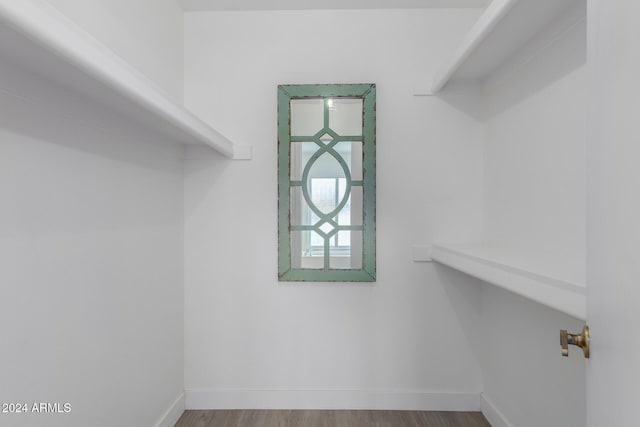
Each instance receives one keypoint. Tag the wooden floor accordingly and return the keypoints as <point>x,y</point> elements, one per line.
<point>285,418</point>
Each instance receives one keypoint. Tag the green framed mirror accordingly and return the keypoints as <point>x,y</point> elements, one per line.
<point>326,182</point>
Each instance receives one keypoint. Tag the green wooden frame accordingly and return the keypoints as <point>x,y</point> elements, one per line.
<point>367,92</point>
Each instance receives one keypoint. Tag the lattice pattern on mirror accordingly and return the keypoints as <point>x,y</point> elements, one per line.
<point>326,182</point>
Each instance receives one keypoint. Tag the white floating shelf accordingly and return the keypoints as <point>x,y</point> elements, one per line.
<point>37,36</point>
<point>489,266</point>
<point>503,28</point>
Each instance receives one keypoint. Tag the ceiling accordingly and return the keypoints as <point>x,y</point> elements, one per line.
<point>200,5</point>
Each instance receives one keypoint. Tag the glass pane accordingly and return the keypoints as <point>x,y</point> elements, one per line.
<point>347,254</point>
<point>345,116</point>
<point>323,193</point>
<point>297,243</point>
<point>351,152</point>
<point>326,138</point>
<point>301,152</point>
<point>300,213</point>
<point>355,160</point>
<point>351,213</point>
<point>344,216</point>
<point>343,238</point>
<point>356,249</point>
<point>304,254</point>
<point>326,166</point>
<point>307,116</point>
<point>355,206</point>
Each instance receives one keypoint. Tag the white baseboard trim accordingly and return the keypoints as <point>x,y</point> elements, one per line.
<point>492,413</point>
<point>173,413</point>
<point>331,399</point>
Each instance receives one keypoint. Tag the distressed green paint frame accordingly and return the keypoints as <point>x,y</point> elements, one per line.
<point>367,92</point>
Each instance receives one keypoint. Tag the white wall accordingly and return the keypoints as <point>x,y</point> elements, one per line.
<point>91,270</point>
<point>397,343</point>
<point>613,299</point>
<point>535,151</point>
<point>535,185</point>
<point>525,378</point>
<point>147,34</point>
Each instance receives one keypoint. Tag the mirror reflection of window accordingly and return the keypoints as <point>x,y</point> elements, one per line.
<point>326,193</point>
<point>327,185</point>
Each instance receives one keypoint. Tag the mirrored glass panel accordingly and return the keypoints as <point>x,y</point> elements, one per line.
<point>348,255</point>
<point>307,116</point>
<point>345,116</point>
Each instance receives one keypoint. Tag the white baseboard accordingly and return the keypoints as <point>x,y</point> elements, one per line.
<point>331,399</point>
<point>492,413</point>
<point>173,413</point>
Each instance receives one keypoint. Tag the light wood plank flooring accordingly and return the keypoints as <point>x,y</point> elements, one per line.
<point>286,418</point>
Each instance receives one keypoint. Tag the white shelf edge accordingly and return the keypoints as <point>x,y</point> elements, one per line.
<point>558,294</point>
<point>50,29</point>
<point>492,15</point>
